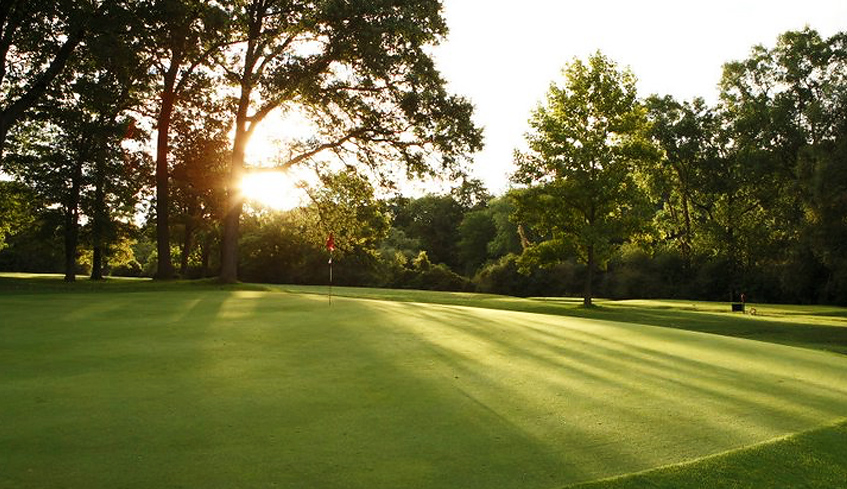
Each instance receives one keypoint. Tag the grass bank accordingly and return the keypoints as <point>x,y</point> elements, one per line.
<point>816,459</point>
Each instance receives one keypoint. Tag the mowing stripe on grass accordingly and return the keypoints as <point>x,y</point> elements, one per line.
<point>198,388</point>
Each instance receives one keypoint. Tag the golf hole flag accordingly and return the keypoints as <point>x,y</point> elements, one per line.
<point>330,246</point>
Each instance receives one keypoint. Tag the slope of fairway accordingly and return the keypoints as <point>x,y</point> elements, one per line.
<point>815,459</point>
<point>216,388</point>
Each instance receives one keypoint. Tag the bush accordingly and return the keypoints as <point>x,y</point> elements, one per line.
<point>127,269</point>
<point>503,277</point>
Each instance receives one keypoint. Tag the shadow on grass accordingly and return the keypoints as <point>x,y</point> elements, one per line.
<point>613,398</point>
<point>26,283</point>
<point>249,389</point>
<point>793,333</point>
<point>785,327</point>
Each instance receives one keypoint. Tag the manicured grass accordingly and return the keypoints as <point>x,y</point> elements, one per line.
<point>816,459</point>
<point>817,327</point>
<point>198,385</point>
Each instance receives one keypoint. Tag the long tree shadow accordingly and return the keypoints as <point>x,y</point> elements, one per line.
<point>671,396</point>
<point>830,338</point>
<point>669,314</point>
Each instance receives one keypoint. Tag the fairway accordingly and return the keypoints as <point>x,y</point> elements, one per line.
<point>249,388</point>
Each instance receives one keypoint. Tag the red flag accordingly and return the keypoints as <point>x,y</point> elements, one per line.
<point>330,243</point>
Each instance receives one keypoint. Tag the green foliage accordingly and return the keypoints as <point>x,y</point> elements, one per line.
<point>36,247</point>
<point>687,133</point>
<point>70,150</point>
<point>505,276</point>
<point>346,207</point>
<point>277,248</point>
<point>476,230</point>
<point>38,41</point>
<point>18,205</point>
<point>199,156</point>
<point>587,142</point>
<point>786,112</point>
<point>506,237</point>
<point>636,198</point>
<point>486,234</point>
<point>434,221</point>
<point>362,74</point>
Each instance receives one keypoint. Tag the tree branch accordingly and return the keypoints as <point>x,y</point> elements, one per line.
<point>39,86</point>
<point>320,148</point>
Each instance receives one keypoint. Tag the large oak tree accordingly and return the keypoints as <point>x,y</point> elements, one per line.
<point>360,72</point>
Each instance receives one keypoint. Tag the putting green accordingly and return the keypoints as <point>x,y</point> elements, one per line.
<point>198,388</point>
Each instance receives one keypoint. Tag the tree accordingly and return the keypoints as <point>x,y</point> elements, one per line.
<point>186,34</point>
<point>111,83</point>
<point>686,132</point>
<point>345,206</point>
<point>476,230</point>
<point>485,233</point>
<point>70,150</point>
<point>200,149</point>
<point>288,246</point>
<point>785,109</point>
<point>37,39</point>
<point>360,72</point>
<point>506,238</point>
<point>432,220</point>
<point>586,143</point>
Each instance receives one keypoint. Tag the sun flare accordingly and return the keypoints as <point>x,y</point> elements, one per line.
<point>273,189</point>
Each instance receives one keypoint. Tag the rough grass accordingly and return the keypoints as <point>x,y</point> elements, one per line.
<point>198,385</point>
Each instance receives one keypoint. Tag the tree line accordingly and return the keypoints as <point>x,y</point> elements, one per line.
<point>615,195</point>
<point>86,82</point>
<point>745,196</point>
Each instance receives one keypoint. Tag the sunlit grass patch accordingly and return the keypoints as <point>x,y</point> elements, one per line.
<point>199,385</point>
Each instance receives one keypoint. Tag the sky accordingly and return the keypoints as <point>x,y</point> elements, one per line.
<point>503,55</point>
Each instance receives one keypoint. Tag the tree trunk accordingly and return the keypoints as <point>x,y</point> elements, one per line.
<point>99,223</point>
<point>589,279</point>
<point>229,243</point>
<point>164,269</point>
<point>97,263</point>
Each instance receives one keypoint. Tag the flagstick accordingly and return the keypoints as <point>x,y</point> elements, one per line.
<point>330,246</point>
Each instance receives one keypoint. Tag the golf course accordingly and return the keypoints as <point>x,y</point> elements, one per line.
<point>141,384</point>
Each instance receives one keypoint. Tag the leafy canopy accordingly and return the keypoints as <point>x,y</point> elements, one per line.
<point>586,142</point>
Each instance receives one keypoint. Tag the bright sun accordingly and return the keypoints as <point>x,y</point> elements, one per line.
<point>273,189</point>
<point>262,185</point>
